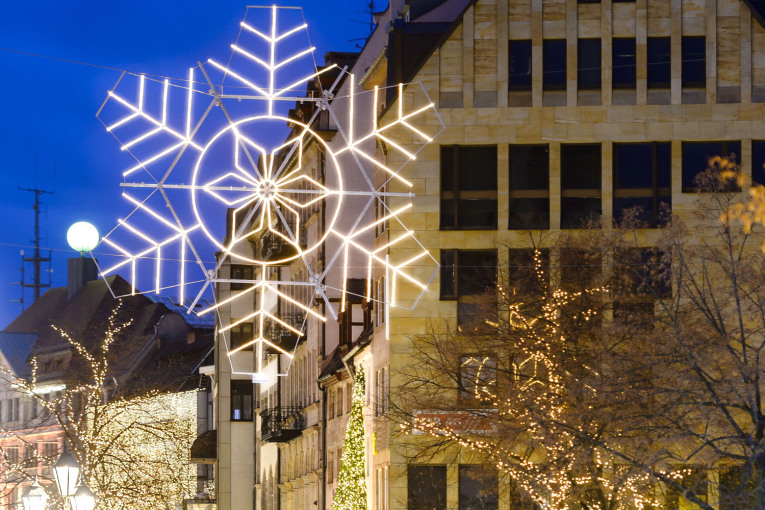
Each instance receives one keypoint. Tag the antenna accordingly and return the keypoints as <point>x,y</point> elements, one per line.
<point>36,259</point>
<point>20,283</point>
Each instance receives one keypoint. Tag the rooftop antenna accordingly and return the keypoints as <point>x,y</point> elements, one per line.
<point>36,259</point>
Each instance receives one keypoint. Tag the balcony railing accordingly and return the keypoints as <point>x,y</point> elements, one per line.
<point>281,336</point>
<point>275,247</point>
<point>280,423</point>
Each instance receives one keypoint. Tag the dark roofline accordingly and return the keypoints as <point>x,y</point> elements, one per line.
<point>758,10</point>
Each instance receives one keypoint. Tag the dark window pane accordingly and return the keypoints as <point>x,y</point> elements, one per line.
<point>694,62</point>
<point>477,271</point>
<point>579,212</point>
<point>241,400</point>
<point>529,205</point>
<point>580,166</point>
<point>469,187</point>
<point>241,272</point>
<point>448,274</point>
<point>659,62</point>
<point>529,167</point>
<point>642,181</point>
<point>241,334</point>
<point>758,162</point>
<point>426,488</point>
<point>478,487</point>
<point>554,68</point>
<point>529,213</point>
<point>520,65</point>
<point>624,63</point>
<point>696,159</point>
<point>588,58</point>
<point>527,276</point>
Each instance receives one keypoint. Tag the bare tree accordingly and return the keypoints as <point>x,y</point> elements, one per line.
<point>134,451</point>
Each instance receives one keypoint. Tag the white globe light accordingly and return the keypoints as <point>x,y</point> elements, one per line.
<point>82,236</point>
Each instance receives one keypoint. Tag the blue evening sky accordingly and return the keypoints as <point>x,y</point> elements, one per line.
<point>49,135</point>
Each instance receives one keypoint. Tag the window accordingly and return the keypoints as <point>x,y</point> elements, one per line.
<point>693,479</point>
<point>758,162</point>
<point>529,206</point>
<point>469,187</point>
<point>529,271</point>
<point>339,401</point>
<point>694,62</point>
<point>554,64</point>
<point>12,454</point>
<point>520,65</point>
<point>381,391</point>
<point>379,301</point>
<point>640,275</point>
<point>477,379</point>
<point>381,211</point>
<point>588,61</point>
<point>642,180</point>
<point>426,487</point>
<point>241,400</point>
<point>331,403</point>
<point>623,63</point>
<point>659,62</point>
<point>241,272</point>
<point>466,275</point>
<point>240,335</point>
<point>580,184</point>
<point>478,487</point>
<point>381,488</point>
<point>696,157</point>
<point>330,466</point>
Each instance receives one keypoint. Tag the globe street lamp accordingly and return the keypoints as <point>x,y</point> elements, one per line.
<point>83,498</point>
<point>66,471</point>
<point>82,237</point>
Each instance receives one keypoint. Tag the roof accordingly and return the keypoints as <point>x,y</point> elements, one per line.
<point>758,10</point>
<point>15,348</point>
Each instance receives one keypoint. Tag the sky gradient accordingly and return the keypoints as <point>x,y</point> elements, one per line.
<point>49,135</point>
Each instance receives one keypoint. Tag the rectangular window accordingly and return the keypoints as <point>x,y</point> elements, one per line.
<point>659,62</point>
<point>694,62</point>
<point>382,488</point>
<point>426,487</point>
<point>588,62</point>
<point>477,379</point>
<point>241,272</point>
<point>554,64</point>
<point>330,467</point>
<point>381,211</point>
<point>693,479</point>
<point>642,181</point>
<point>466,276</point>
<point>529,205</point>
<point>529,270</point>
<point>580,169</point>
<point>240,335</point>
<point>640,276</point>
<point>623,63</point>
<point>520,65</point>
<point>331,403</point>
<point>758,162</point>
<point>469,187</point>
<point>339,401</point>
<point>12,454</point>
<point>478,487</point>
<point>379,301</point>
<point>241,400</point>
<point>696,156</point>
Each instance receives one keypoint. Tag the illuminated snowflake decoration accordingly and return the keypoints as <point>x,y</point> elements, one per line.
<point>205,155</point>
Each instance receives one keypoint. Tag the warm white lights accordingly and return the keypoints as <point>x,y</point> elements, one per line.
<point>267,191</point>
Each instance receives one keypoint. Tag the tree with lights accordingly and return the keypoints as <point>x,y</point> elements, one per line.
<point>351,491</point>
<point>604,374</point>
<point>134,451</point>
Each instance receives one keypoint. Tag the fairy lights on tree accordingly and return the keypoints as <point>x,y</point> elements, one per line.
<point>134,452</point>
<point>204,148</point>
<point>351,493</point>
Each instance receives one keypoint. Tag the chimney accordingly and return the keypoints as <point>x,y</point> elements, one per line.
<point>80,271</point>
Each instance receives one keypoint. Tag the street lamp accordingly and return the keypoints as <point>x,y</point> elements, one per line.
<point>83,498</point>
<point>66,470</point>
<point>34,497</point>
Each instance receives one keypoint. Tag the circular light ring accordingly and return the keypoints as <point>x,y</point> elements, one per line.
<point>82,236</point>
<point>195,187</point>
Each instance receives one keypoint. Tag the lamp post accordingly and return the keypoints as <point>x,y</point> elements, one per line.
<point>66,471</point>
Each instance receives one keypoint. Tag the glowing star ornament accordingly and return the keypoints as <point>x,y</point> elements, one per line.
<point>221,165</point>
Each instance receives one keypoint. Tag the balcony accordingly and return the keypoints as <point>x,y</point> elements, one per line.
<point>275,247</point>
<point>282,337</point>
<point>281,424</point>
